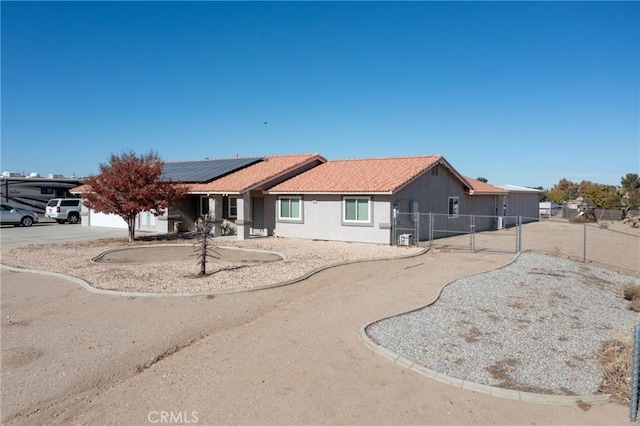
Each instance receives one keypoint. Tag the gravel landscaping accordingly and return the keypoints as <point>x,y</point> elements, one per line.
<point>168,275</point>
<point>536,325</point>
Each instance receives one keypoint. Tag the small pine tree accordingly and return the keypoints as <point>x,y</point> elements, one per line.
<point>204,250</point>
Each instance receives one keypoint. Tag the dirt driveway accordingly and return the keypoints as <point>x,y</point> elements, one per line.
<point>280,356</point>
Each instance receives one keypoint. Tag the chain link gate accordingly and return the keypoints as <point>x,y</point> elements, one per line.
<point>457,231</point>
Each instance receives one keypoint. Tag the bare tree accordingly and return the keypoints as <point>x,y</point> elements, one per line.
<point>204,250</point>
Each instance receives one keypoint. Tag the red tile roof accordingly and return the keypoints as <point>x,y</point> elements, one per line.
<point>257,175</point>
<point>482,188</point>
<point>80,189</point>
<point>366,175</point>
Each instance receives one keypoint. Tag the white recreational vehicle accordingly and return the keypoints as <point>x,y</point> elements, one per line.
<point>32,192</point>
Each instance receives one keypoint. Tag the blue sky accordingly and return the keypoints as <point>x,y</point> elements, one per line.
<point>523,93</point>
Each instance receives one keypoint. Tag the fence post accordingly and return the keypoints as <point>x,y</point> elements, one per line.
<point>417,229</point>
<point>472,226</point>
<point>431,230</point>
<point>519,235</point>
<point>584,245</point>
<point>633,413</point>
<point>394,228</point>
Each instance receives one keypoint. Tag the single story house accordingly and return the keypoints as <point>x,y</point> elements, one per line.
<point>240,196</point>
<point>229,189</point>
<point>308,196</point>
<point>355,200</point>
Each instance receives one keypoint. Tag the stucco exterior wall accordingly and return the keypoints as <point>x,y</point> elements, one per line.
<point>186,211</point>
<point>322,219</point>
<point>430,192</point>
<point>523,204</point>
<point>270,213</point>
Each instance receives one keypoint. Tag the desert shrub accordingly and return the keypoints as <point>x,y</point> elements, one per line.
<point>631,291</point>
<point>632,221</point>
<point>578,219</point>
<point>634,305</point>
<point>616,358</point>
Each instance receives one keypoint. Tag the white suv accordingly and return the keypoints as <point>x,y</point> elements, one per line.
<point>64,209</point>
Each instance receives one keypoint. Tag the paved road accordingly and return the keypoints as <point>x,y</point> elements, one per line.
<point>47,231</point>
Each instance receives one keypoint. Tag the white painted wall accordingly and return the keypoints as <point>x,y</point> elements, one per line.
<point>106,220</point>
<point>322,219</point>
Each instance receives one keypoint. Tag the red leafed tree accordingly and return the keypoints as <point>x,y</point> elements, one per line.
<point>130,184</point>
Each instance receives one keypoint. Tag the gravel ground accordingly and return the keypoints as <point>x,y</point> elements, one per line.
<point>536,325</point>
<point>178,276</point>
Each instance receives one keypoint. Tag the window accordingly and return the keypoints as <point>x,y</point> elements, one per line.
<point>204,206</point>
<point>233,207</point>
<point>46,190</point>
<point>290,208</point>
<point>454,206</point>
<point>357,209</point>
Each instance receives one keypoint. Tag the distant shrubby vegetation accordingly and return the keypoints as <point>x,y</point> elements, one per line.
<point>625,197</point>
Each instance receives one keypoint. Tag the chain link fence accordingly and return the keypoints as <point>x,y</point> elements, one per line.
<point>609,243</point>
<point>601,243</point>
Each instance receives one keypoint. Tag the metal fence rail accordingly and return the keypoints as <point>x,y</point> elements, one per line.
<point>510,234</point>
<point>461,232</point>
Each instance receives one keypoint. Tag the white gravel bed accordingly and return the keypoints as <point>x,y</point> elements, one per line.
<point>536,325</point>
<point>300,258</point>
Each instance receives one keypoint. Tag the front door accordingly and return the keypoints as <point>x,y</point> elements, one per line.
<point>257,215</point>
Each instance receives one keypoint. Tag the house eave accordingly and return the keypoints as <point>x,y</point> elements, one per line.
<point>330,192</point>
<point>475,193</point>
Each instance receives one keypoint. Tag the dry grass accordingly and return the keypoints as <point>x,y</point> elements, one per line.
<point>634,305</point>
<point>616,358</point>
<point>583,405</point>
<point>631,292</point>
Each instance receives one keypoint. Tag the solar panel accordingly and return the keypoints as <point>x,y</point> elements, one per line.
<point>203,170</point>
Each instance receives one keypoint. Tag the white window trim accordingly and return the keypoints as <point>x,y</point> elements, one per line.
<point>344,209</point>
<point>229,214</point>
<point>457,203</point>
<point>289,197</point>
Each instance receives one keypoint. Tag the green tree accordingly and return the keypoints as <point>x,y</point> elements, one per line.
<point>630,191</point>
<point>604,196</point>
<point>481,179</point>
<point>630,182</point>
<point>130,184</point>
<point>562,191</point>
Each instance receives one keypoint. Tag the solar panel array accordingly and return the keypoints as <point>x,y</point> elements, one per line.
<point>203,170</point>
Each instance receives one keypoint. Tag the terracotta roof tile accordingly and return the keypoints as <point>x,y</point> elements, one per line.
<point>80,189</point>
<point>257,175</point>
<point>479,188</point>
<point>366,175</point>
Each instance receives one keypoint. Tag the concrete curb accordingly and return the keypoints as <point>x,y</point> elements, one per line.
<point>92,289</point>
<point>497,392</point>
<point>494,391</point>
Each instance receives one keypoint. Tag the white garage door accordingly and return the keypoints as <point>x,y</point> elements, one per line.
<point>106,220</point>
